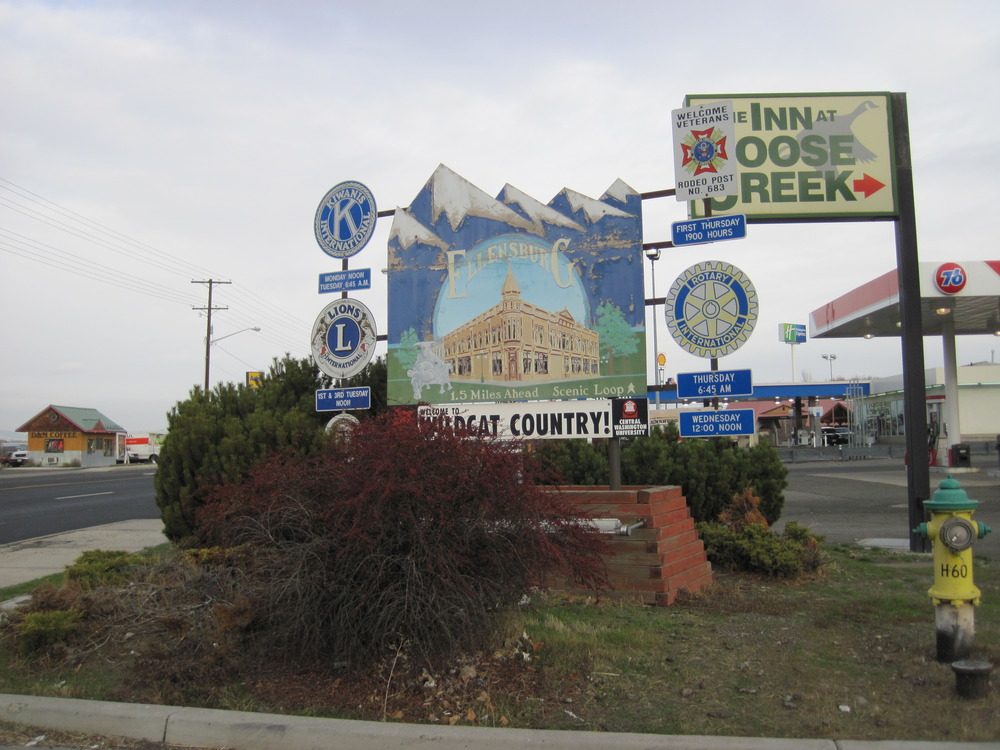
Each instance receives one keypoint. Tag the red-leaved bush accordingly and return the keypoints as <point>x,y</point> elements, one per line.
<point>404,536</point>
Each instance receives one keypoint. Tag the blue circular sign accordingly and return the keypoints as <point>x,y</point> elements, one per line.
<point>345,219</point>
<point>711,309</point>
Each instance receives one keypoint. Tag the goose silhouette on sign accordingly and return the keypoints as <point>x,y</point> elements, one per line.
<point>840,126</point>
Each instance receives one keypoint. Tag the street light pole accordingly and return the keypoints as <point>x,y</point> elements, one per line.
<point>654,255</point>
<point>208,349</point>
<point>830,358</point>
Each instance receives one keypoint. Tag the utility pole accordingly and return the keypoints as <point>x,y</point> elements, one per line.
<point>208,327</point>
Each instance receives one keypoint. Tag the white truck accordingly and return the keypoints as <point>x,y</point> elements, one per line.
<point>143,447</point>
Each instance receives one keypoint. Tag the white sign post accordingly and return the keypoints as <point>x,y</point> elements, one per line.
<point>703,143</point>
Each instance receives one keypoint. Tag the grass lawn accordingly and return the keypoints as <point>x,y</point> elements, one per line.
<point>846,654</point>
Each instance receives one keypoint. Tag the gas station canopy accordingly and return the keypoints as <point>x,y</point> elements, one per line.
<point>967,293</point>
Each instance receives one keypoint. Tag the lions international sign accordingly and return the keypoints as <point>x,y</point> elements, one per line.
<point>800,155</point>
<point>509,299</point>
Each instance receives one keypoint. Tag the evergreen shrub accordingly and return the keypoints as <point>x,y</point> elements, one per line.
<point>39,632</point>
<point>217,437</point>
<point>709,471</point>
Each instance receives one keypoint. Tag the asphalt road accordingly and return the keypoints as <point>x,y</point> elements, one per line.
<point>40,502</point>
<point>847,501</point>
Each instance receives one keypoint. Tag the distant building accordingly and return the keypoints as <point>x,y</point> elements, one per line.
<point>69,435</point>
<point>978,398</point>
<point>518,341</point>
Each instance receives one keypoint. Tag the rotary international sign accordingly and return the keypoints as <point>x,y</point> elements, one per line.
<point>711,309</point>
<point>809,155</point>
<point>509,299</point>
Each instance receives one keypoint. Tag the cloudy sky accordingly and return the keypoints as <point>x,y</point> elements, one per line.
<point>148,145</point>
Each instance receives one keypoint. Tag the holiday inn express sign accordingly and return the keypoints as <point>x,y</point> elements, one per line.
<point>809,155</point>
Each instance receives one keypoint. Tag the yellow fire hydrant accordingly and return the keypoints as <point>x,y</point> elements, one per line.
<point>952,531</point>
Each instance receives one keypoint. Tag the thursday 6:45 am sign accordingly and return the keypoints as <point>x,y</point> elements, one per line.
<point>809,155</point>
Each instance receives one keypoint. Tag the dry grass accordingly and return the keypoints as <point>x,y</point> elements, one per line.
<point>848,654</point>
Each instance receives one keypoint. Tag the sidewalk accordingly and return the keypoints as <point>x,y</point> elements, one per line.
<point>25,561</point>
<point>211,728</point>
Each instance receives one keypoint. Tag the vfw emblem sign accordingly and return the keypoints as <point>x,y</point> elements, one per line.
<point>703,138</point>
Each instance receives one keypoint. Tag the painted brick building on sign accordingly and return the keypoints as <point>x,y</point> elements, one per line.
<point>518,341</point>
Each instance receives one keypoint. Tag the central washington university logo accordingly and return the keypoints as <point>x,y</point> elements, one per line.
<point>703,151</point>
<point>711,309</point>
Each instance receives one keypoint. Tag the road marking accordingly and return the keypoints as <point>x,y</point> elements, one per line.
<point>62,484</point>
<point>92,494</point>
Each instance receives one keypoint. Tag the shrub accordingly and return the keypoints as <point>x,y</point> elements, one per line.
<point>572,461</point>
<point>218,436</point>
<point>103,567</point>
<point>41,631</point>
<point>751,549</point>
<point>744,510</point>
<point>708,471</point>
<point>741,541</point>
<point>402,536</point>
<point>756,549</point>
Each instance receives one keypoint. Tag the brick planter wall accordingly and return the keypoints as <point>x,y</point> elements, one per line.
<point>660,559</point>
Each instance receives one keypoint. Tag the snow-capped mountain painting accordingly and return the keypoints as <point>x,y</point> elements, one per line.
<point>510,299</point>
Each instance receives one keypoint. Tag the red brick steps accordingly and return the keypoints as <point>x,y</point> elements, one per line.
<point>657,561</point>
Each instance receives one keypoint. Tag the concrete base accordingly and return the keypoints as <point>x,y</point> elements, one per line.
<point>972,678</point>
<point>956,631</point>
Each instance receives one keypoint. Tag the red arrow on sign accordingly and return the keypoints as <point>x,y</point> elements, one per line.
<point>868,185</point>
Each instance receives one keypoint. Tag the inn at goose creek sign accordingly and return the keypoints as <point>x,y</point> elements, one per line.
<point>809,155</point>
<point>509,299</point>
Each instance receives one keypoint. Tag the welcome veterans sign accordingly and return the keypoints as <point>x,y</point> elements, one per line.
<point>703,163</point>
<point>798,155</point>
<point>545,420</point>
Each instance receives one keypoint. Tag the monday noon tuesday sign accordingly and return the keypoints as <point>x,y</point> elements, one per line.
<point>809,155</point>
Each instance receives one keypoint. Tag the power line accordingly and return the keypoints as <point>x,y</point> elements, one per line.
<point>39,209</point>
<point>151,254</point>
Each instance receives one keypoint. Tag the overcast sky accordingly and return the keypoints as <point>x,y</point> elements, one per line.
<point>146,145</point>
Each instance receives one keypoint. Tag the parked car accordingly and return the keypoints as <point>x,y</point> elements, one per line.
<point>18,458</point>
<point>836,435</point>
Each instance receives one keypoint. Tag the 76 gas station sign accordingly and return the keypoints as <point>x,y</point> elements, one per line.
<point>800,155</point>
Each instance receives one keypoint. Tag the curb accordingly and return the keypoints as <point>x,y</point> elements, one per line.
<point>213,728</point>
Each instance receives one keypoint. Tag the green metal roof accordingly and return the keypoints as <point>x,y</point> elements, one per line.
<point>87,420</point>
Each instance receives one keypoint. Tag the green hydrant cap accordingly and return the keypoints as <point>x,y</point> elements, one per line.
<point>950,496</point>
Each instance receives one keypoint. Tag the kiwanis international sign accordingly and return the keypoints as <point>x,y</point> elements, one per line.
<point>509,299</point>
